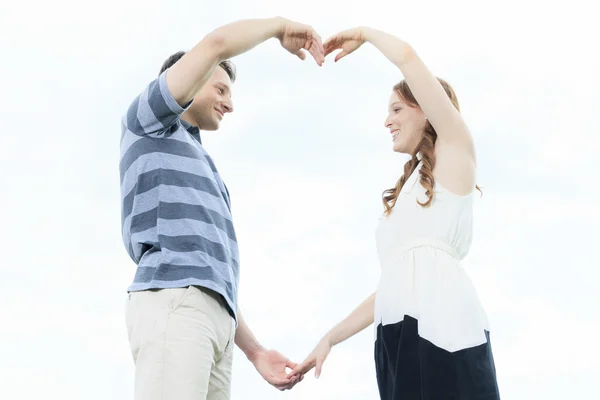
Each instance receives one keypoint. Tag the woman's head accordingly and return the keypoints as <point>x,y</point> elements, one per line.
<point>406,121</point>
<point>413,134</point>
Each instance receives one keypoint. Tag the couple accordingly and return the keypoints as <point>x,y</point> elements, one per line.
<point>183,319</point>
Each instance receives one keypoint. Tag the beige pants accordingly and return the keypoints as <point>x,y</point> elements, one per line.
<point>182,344</point>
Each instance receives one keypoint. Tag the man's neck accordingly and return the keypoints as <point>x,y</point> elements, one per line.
<point>187,119</point>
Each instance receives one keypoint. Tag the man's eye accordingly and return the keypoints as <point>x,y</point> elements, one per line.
<point>221,90</point>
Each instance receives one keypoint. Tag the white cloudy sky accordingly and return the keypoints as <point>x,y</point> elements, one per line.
<point>305,157</point>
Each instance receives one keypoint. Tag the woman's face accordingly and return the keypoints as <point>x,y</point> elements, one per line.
<point>406,124</point>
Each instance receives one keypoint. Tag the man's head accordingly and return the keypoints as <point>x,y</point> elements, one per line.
<point>213,101</point>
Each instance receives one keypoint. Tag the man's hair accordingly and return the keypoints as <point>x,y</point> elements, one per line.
<point>227,65</point>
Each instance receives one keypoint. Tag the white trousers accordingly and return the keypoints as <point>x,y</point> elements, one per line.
<point>182,344</point>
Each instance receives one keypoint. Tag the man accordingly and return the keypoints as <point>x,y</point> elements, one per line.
<point>182,311</point>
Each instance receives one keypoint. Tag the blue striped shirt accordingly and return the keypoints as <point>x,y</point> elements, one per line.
<point>175,209</point>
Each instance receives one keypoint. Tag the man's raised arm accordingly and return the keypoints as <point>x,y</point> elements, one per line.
<point>189,74</point>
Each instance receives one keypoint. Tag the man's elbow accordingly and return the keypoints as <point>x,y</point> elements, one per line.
<point>215,43</point>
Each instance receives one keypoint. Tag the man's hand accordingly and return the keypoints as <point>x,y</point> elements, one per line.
<point>295,37</point>
<point>272,367</point>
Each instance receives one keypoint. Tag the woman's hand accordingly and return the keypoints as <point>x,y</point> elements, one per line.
<point>315,359</point>
<point>347,41</point>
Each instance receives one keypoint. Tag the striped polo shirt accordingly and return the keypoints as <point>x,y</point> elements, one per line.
<point>175,209</point>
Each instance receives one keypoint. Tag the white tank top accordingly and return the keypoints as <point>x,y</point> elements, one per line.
<point>420,249</point>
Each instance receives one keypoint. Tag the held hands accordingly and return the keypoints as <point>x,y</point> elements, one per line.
<point>271,365</point>
<point>296,37</point>
<point>315,359</point>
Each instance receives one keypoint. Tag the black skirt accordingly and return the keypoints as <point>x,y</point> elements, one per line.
<point>412,368</point>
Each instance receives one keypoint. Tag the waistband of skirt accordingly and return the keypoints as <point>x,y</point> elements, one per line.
<point>427,242</point>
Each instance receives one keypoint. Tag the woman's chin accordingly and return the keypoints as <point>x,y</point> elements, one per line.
<point>398,148</point>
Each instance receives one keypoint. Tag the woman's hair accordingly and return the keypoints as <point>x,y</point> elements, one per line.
<point>424,149</point>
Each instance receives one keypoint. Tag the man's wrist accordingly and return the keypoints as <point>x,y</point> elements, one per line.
<point>277,27</point>
<point>253,352</point>
<point>329,339</point>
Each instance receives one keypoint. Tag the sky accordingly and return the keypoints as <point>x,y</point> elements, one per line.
<point>305,156</point>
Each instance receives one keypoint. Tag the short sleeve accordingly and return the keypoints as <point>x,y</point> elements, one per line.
<point>154,111</point>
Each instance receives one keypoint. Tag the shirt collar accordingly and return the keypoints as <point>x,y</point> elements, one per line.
<point>192,130</point>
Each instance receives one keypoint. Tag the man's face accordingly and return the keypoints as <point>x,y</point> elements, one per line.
<point>212,102</point>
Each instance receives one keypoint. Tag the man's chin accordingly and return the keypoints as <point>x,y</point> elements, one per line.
<point>209,126</point>
<point>212,127</point>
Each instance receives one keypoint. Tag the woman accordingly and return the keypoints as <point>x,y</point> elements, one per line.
<point>432,336</point>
